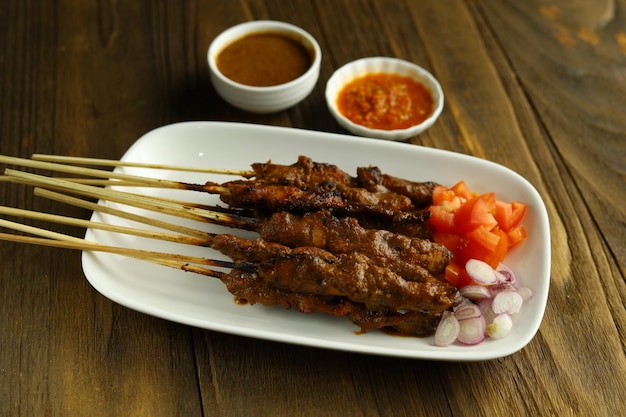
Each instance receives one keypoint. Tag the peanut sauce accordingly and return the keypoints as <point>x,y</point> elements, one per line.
<point>264,59</point>
<point>385,101</point>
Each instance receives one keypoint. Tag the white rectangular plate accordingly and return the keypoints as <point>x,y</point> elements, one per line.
<point>203,302</point>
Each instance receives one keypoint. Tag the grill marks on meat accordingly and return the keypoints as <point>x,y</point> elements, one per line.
<point>305,173</point>
<point>409,256</point>
<point>268,198</point>
<point>248,287</point>
<point>310,270</point>
<point>302,174</point>
<point>354,276</point>
<point>309,186</point>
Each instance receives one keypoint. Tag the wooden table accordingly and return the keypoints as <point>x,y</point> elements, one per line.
<point>538,86</point>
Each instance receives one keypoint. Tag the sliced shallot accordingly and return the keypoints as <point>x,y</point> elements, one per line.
<point>486,310</point>
<point>475,292</point>
<point>447,330</point>
<point>506,274</point>
<point>500,326</point>
<point>526,293</point>
<point>481,272</point>
<point>507,301</point>
<point>471,325</point>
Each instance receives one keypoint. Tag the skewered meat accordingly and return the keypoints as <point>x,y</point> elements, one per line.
<point>306,173</point>
<point>353,275</point>
<point>420,193</point>
<point>248,287</point>
<point>340,235</point>
<point>340,198</point>
<point>303,173</point>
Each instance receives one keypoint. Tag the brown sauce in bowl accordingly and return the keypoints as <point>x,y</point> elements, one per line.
<point>264,59</point>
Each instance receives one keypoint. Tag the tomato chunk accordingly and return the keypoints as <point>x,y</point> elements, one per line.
<point>474,213</point>
<point>457,275</point>
<point>462,190</point>
<point>449,240</point>
<point>441,219</point>
<point>484,237</point>
<point>509,215</point>
<point>516,235</point>
<point>442,194</point>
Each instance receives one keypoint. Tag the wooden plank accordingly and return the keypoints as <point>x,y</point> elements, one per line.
<point>578,93</point>
<point>527,84</point>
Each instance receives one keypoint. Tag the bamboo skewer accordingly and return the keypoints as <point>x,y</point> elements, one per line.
<point>115,163</point>
<point>150,203</point>
<point>71,221</point>
<point>132,253</point>
<point>108,183</point>
<point>97,173</point>
<point>147,183</point>
<point>60,240</point>
<point>134,179</point>
<point>77,202</point>
<point>87,187</point>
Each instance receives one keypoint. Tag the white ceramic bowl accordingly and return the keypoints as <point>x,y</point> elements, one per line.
<point>362,67</point>
<point>264,99</point>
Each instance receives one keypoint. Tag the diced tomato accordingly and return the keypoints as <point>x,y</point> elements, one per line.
<point>449,240</point>
<point>516,235</point>
<point>442,194</point>
<point>462,190</point>
<point>457,276</point>
<point>474,226</point>
<point>471,249</point>
<point>446,198</point>
<point>441,219</point>
<point>509,215</point>
<point>484,237</point>
<point>499,253</point>
<point>474,213</point>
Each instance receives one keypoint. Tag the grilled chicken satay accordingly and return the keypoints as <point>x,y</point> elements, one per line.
<point>356,277</point>
<point>340,235</point>
<point>306,173</point>
<point>311,270</point>
<point>269,198</point>
<point>248,287</point>
<point>372,197</point>
<point>409,256</point>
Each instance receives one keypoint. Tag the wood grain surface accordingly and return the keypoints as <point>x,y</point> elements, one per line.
<point>538,86</point>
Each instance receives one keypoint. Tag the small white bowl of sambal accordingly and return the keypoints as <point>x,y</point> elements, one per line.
<point>264,66</point>
<point>384,98</point>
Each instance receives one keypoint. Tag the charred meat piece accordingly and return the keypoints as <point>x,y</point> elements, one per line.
<point>269,198</point>
<point>303,174</point>
<point>311,270</point>
<point>409,323</point>
<point>372,179</point>
<point>248,287</point>
<point>306,173</point>
<point>356,277</point>
<point>340,235</point>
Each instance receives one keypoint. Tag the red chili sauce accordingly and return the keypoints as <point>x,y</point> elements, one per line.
<point>264,59</point>
<point>385,101</point>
